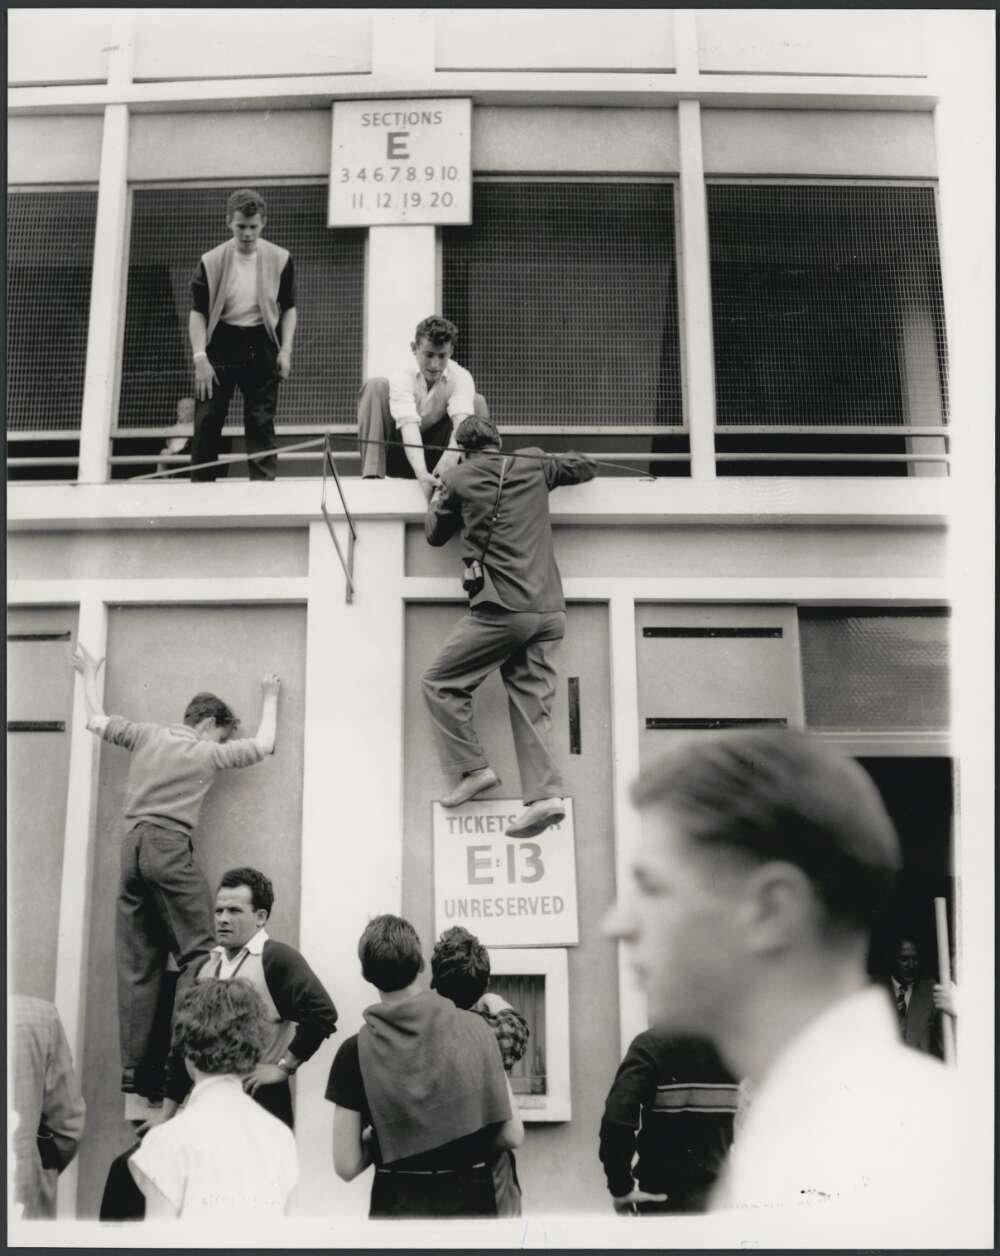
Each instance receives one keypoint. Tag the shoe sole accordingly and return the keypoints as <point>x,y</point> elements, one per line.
<point>475,793</point>
<point>539,826</point>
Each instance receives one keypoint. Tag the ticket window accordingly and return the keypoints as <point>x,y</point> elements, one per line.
<point>535,981</point>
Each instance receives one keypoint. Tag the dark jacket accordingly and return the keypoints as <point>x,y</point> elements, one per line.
<point>520,563</point>
<point>672,1101</point>
<point>922,1027</point>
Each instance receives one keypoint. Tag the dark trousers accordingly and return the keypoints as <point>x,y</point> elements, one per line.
<point>447,1193</point>
<point>164,906</point>
<point>382,452</point>
<point>244,358</point>
<point>521,644</point>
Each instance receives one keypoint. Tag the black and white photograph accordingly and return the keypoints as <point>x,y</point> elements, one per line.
<point>500,627</point>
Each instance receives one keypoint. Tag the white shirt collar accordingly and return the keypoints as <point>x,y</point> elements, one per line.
<point>254,947</point>
<point>207,1083</point>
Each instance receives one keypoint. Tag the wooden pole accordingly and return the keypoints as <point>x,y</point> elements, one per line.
<point>944,976</point>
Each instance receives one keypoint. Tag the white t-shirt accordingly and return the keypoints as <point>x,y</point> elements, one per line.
<point>241,308</point>
<point>221,1155</point>
<point>849,1127</point>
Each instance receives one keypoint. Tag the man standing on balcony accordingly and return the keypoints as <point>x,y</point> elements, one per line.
<point>242,326</point>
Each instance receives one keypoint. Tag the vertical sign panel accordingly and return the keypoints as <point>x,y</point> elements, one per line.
<point>400,162</point>
<point>507,891</point>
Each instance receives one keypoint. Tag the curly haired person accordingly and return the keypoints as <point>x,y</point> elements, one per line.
<point>222,1154</point>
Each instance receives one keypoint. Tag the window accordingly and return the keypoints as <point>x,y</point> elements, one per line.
<point>872,669</point>
<point>535,981</point>
<point>828,324</point>
<point>171,229</point>
<point>50,257</point>
<point>565,295</point>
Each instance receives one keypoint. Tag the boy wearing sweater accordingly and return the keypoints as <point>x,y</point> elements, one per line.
<point>164,902</point>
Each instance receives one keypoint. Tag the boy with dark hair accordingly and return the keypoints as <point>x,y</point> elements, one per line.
<point>417,405</point>
<point>241,327</point>
<point>460,965</point>
<point>420,1091</point>
<point>164,901</point>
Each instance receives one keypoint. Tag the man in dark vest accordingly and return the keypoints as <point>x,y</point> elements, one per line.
<point>242,326</point>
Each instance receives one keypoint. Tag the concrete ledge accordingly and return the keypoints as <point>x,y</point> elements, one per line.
<point>625,500</point>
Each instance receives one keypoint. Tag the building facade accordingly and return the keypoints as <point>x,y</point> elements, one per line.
<point>710,247</point>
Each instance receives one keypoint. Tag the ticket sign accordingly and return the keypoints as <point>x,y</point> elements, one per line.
<point>507,891</point>
<point>401,162</point>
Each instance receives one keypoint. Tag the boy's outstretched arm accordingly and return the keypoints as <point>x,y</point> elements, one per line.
<point>268,729</point>
<point>88,667</point>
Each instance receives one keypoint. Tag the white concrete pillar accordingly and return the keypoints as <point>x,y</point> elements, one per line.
<point>73,940</point>
<point>696,294</point>
<point>100,389</point>
<point>352,810</point>
<point>401,290</point>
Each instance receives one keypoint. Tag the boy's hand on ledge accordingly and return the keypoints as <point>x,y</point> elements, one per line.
<point>270,684</point>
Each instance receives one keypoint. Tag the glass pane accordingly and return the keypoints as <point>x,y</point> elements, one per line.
<point>526,994</point>
<point>171,229</point>
<point>875,669</point>
<point>50,259</point>
<point>827,305</point>
<point>565,295</point>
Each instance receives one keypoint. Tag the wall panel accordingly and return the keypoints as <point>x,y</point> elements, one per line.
<point>593,997</point>
<point>849,144</point>
<point>810,41</point>
<point>551,39</point>
<point>54,149</point>
<point>246,144</point>
<point>569,140</point>
<point>158,657</point>
<point>250,42</point>
<point>39,688</point>
<point>58,46</point>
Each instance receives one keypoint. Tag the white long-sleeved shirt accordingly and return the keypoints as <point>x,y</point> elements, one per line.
<point>412,401</point>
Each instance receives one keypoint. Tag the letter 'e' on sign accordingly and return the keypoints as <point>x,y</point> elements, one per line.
<point>399,162</point>
<point>507,891</point>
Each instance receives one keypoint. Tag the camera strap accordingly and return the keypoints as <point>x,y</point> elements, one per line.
<point>496,511</point>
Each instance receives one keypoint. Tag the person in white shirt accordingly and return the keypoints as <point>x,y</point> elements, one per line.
<point>765,857</point>
<point>222,1155</point>
<point>418,406</point>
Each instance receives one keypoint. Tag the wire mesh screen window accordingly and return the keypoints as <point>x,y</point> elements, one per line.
<point>827,305</point>
<point>171,229</point>
<point>50,260</point>
<point>565,295</point>
<point>875,669</point>
<point>526,994</point>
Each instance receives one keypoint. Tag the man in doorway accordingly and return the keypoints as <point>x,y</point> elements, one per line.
<point>517,614</point>
<point>420,404</point>
<point>914,999</point>
<point>764,860</point>
<point>242,327</point>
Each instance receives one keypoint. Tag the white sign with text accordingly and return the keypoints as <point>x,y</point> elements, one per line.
<point>507,891</point>
<point>399,162</point>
